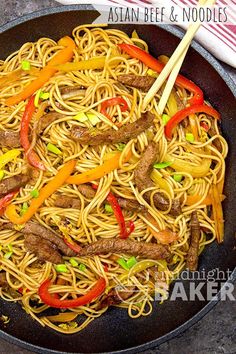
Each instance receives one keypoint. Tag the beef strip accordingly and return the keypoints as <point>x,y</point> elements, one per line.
<point>9,138</point>
<point>134,248</point>
<point>13,183</point>
<point>143,180</point>
<point>140,82</point>
<point>64,201</point>
<point>87,191</point>
<point>72,91</point>
<point>131,205</point>
<point>116,296</point>
<point>35,228</point>
<point>111,136</point>
<point>212,132</point>
<point>44,250</point>
<point>192,256</point>
<point>47,119</point>
<point>3,280</point>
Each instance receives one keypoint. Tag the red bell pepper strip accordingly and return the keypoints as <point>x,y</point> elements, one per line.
<point>24,135</point>
<point>5,201</point>
<point>179,116</point>
<point>51,301</point>
<point>113,102</point>
<point>204,126</point>
<point>156,65</point>
<point>72,245</point>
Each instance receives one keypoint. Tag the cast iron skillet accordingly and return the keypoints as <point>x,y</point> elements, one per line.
<point>115,331</point>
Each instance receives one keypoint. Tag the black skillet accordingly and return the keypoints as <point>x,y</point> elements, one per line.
<point>115,331</point>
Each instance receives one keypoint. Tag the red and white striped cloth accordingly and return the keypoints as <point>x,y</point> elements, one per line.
<point>218,38</point>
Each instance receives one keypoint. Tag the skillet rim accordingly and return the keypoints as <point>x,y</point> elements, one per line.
<point>232,279</point>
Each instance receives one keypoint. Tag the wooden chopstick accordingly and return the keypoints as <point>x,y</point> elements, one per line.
<point>174,64</point>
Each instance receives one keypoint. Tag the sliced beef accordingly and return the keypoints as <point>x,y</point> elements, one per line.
<point>64,201</point>
<point>143,180</point>
<point>117,296</point>
<point>87,191</point>
<point>72,91</point>
<point>9,139</point>
<point>43,249</point>
<point>143,83</point>
<point>13,183</point>
<point>131,205</point>
<point>47,119</point>
<point>195,233</point>
<point>134,248</point>
<point>111,136</point>
<point>3,280</point>
<point>36,229</point>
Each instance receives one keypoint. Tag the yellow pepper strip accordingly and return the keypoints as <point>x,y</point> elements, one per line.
<point>193,199</point>
<point>193,125</point>
<point>163,236</point>
<point>172,105</point>
<point>98,172</point>
<point>93,63</point>
<point>217,214</point>
<point>47,72</point>
<point>142,265</point>
<point>195,171</point>
<point>44,193</point>
<point>63,317</point>
<point>8,156</point>
<point>220,186</point>
<point>161,182</point>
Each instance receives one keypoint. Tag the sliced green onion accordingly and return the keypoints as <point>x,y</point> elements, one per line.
<point>81,117</point>
<point>121,146</point>
<point>25,65</point>
<point>122,263</point>
<point>178,178</point>
<point>10,247</point>
<point>73,262</point>
<point>2,173</point>
<point>44,95</point>
<point>165,118</point>
<point>61,268</point>
<point>131,262</point>
<point>152,73</point>
<point>108,208</point>
<point>93,118</point>
<point>82,267</point>
<point>189,137</point>
<point>162,164</point>
<point>24,208</point>
<point>8,255</point>
<point>34,193</point>
<point>52,148</point>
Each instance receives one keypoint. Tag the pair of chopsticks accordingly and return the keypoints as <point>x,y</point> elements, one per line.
<point>174,64</point>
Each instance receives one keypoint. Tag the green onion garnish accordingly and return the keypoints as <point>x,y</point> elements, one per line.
<point>122,263</point>
<point>34,193</point>
<point>73,262</point>
<point>131,262</point>
<point>44,95</point>
<point>40,95</point>
<point>52,148</point>
<point>162,164</point>
<point>81,117</point>
<point>24,208</point>
<point>93,118</point>
<point>165,118</point>
<point>121,146</point>
<point>61,268</point>
<point>82,267</point>
<point>178,178</point>
<point>189,137</point>
<point>108,208</point>
<point>25,65</point>
<point>8,255</point>
<point>2,173</point>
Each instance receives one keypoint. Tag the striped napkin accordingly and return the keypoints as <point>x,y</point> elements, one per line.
<point>218,38</point>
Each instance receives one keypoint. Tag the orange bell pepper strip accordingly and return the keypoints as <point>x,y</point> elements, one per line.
<point>98,172</point>
<point>44,193</point>
<point>217,213</point>
<point>193,199</point>
<point>47,72</point>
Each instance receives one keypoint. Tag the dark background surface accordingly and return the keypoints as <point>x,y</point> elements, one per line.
<point>215,333</point>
